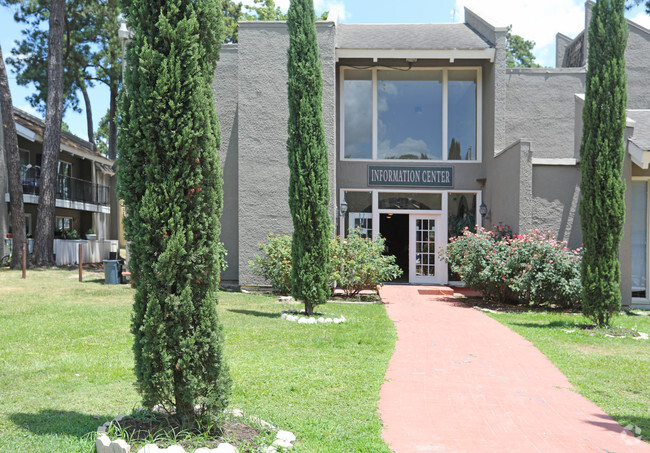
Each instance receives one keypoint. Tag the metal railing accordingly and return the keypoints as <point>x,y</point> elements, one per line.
<point>71,189</point>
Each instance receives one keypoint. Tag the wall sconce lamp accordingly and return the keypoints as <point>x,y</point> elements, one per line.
<point>344,207</point>
<point>483,209</point>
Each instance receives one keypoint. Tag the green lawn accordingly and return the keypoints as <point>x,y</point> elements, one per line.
<point>66,365</point>
<point>614,373</point>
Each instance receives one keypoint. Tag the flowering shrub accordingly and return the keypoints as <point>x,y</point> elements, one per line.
<point>355,264</point>
<point>501,231</point>
<point>359,263</point>
<point>479,260</point>
<point>545,271</point>
<point>533,268</point>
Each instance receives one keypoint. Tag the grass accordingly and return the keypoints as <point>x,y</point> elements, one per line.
<point>612,372</point>
<point>66,365</point>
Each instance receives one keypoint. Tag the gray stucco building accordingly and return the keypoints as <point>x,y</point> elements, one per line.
<point>424,124</point>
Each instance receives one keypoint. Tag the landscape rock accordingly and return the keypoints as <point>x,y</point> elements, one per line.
<point>149,448</point>
<point>102,443</point>
<point>119,446</point>
<point>286,436</point>
<point>283,444</point>
<point>225,448</point>
<point>270,449</point>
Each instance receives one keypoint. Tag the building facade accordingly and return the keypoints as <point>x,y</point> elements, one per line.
<point>424,124</point>
<point>85,188</point>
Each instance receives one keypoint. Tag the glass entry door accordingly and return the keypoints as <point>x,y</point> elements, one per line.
<point>425,237</point>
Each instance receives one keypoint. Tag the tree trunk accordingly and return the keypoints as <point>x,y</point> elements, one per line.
<point>112,124</point>
<point>12,156</point>
<point>89,115</point>
<point>43,246</point>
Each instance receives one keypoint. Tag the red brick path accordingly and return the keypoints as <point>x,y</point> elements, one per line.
<point>461,382</point>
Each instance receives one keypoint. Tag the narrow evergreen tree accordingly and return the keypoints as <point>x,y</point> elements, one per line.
<point>602,208</point>
<point>170,181</point>
<point>308,161</point>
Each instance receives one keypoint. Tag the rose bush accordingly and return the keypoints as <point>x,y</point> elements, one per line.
<point>535,268</point>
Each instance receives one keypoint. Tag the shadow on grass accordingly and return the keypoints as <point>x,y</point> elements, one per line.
<point>65,423</point>
<point>548,325</point>
<point>259,314</point>
<point>97,281</point>
<point>638,427</point>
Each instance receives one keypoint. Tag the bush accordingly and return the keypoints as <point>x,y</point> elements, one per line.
<point>480,260</point>
<point>358,263</point>
<point>274,262</point>
<point>355,264</point>
<point>545,271</point>
<point>534,268</point>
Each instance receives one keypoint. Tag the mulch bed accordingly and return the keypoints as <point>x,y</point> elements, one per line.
<point>141,431</point>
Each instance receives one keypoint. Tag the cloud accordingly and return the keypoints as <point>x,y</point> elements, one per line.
<point>409,147</point>
<point>332,6</point>
<point>532,19</point>
<point>642,19</point>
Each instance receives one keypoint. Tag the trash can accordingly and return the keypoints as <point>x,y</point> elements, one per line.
<point>111,272</point>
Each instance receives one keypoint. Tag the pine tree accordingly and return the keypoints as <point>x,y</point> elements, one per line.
<point>602,209</point>
<point>308,160</point>
<point>170,181</point>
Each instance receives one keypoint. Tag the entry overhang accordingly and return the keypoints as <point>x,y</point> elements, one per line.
<point>420,54</point>
<point>639,156</point>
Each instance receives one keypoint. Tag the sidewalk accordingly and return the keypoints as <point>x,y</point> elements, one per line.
<point>461,382</point>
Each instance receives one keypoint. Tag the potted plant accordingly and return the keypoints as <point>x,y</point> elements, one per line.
<point>90,234</point>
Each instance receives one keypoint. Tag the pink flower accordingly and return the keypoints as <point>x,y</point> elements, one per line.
<point>550,261</point>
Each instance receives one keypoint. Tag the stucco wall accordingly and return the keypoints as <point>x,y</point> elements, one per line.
<point>226,93</point>
<point>556,195</point>
<point>636,65</point>
<point>541,107</point>
<point>262,132</point>
<point>507,190</point>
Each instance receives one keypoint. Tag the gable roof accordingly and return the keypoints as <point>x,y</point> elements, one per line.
<point>69,142</point>
<point>409,36</point>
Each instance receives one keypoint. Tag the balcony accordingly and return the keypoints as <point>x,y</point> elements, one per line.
<point>71,193</point>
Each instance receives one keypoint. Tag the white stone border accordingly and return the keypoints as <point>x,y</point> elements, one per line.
<point>296,316</point>
<point>283,440</point>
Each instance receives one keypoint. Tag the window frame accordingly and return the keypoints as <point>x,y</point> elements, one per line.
<point>445,115</point>
<point>645,299</point>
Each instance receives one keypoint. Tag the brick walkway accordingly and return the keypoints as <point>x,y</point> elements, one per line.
<point>461,382</point>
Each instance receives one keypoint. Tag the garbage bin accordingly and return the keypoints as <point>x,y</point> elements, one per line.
<point>111,272</point>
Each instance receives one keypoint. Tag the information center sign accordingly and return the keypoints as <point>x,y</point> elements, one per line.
<point>392,175</point>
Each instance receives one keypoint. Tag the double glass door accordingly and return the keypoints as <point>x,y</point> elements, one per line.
<point>425,239</point>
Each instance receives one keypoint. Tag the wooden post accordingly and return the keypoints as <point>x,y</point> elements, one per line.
<point>81,278</point>
<point>24,260</point>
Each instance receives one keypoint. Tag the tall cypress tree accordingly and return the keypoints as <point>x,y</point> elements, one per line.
<point>308,162</point>
<point>602,208</point>
<point>170,181</point>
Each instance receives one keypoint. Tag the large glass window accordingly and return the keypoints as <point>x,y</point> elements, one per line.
<point>409,115</point>
<point>359,213</point>
<point>461,137</point>
<point>639,216</point>
<point>409,200</point>
<point>393,114</point>
<point>357,88</point>
<point>461,212</point>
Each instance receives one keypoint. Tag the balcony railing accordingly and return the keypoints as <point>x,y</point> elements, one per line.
<point>71,189</point>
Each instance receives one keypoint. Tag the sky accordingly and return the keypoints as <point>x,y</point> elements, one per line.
<point>535,20</point>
